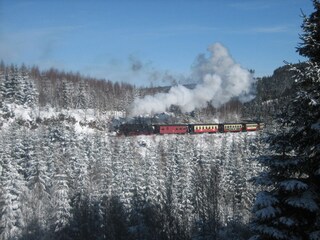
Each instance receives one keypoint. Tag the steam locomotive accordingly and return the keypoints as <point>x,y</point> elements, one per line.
<point>131,129</point>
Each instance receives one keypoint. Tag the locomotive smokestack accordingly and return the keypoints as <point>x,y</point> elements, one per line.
<point>221,79</point>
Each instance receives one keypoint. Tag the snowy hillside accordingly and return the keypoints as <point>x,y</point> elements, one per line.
<point>62,170</point>
<point>64,174</point>
<point>83,120</point>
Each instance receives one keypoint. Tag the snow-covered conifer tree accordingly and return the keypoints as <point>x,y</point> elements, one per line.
<point>206,189</point>
<point>9,86</point>
<point>60,202</point>
<point>290,207</point>
<point>66,98</point>
<point>82,98</point>
<point>12,188</point>
<point>26,93</point>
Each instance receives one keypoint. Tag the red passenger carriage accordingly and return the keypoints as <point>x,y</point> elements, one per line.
<point>171,129</point>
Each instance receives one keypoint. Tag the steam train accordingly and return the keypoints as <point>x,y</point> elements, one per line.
<point>131,129</point>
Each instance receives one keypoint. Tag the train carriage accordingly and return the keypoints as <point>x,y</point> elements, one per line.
<point>171,129</point>
<point>251,127</point>
<point>233,127</point>
<point>204,128</point>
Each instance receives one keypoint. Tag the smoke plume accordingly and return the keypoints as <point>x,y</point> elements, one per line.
<point>135,64</point>
<point>221,79</point>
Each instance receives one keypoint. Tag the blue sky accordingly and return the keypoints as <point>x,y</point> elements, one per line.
<point>143,41</point>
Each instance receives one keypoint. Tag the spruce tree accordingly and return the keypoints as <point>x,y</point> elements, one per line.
<point>310,45</point>
<point>289,208</point>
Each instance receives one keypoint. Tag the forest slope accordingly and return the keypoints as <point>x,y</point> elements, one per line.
<point>64,175</point>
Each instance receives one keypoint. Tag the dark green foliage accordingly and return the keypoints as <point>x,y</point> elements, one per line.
<point>272,93</point>
<point>310,38</point>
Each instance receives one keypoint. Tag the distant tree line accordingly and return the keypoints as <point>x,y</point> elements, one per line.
<point>67,90</point>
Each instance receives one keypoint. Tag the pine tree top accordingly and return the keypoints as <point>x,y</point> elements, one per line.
<point>310,46</point>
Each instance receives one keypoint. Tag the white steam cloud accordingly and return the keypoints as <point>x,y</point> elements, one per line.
<point>222,79</point>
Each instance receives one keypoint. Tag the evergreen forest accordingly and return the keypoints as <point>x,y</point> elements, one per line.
<point>66,174</point>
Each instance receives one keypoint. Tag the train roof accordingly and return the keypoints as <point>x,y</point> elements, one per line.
<point>204,123</point>
<point>173,124</point>
<point>193,124</point>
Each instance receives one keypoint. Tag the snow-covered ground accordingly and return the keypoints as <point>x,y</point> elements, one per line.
<point>84,121</point>
<point>199,178</point>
